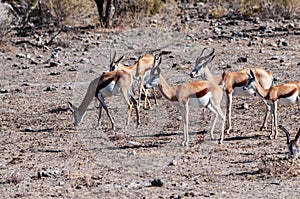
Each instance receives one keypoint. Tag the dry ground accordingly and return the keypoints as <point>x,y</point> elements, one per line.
<point>42,155</point>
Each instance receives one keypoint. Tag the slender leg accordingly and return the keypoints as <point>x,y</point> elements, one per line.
<point>275,118</point>
<point>155,99</point>
<point>102,102</point>
<point>140,91</point>
<point>272,120</point>
<point>221,114</point>
<point>134,102</point>
<point>228,107</point>
<point>268,109</point>
<point>99,115</point>
<point>185,119</point>
<point>212,108</point>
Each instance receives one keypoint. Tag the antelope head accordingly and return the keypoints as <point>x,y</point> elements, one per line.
<point>201,63</point>
<point>114,64</point>
<point>77,117</point>
<point>250,82</point>
<point>154,74</point>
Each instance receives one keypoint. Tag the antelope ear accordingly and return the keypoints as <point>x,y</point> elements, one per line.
<point>71,106</point>
<point>251,73</point>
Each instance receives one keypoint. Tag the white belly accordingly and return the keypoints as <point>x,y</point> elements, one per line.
<point>242,92</point>
<point>109,90</point>
<point>289,100</point>
<point>203,101</point>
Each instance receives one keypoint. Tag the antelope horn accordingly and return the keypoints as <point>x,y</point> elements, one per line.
<point>112,59</point>
<point>200,58</point>
<point>288,139</point>
<point>120,58</point>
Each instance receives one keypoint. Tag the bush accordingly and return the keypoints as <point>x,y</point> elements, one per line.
<point>5,20</point>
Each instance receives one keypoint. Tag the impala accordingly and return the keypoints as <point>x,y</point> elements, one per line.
<point>108,84</point>
<point>287,93</point>
<point>233,82</point>
<point>293,145</point>
<point>205,93</point>
<point>138,70</point>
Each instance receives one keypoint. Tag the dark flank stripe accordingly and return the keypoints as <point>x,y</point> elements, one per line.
<point>103,83</point>
<point>240,84</point>
<point>287,94</point>
<point>202,93</point>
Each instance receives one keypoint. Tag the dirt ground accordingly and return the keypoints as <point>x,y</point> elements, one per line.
<point>42,155</point>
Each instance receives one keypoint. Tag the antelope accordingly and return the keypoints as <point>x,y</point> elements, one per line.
<point>205,93</point>
<point>293,145</point>
<point>232,83</point>
<point>107,85</point>
<point>138,70</point>
<point>287,93</point>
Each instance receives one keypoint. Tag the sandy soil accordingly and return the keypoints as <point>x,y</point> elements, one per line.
<point>42,155</point>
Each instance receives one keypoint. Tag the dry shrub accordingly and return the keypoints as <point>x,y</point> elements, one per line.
<point>5,47</point>
<point>5,21</point>
<point>74,12</point>
<point>256,8</point>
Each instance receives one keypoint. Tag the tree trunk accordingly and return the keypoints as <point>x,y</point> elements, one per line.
<point>100,4</point>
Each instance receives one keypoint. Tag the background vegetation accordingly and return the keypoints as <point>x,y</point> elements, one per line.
<point>28,15</point>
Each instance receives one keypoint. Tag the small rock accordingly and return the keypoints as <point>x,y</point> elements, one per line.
<point>157,182</point>
<point>217,31</point>
<point>51,88</point>
<point>53,64</point>
<point>83,60</point>
<point>25,67</point>
<point>47,172</point>
<point>3,90</point>
<point>54,73</point>
<point>172,163</point>
<point>21,55</point>
<point>133,153</point>
<point>67,88</point>
<point>245,106</point>
<point>242,59</point>
<point>74,68</point>
<point>284,43</point>
<point>25,84</point>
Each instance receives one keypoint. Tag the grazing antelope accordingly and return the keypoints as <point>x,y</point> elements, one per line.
<point>138,70</point>
<point>204,93</point>
<point>287,93</point>
<point>108,84</point>
<point>232,83</point>
<point>293,145</point>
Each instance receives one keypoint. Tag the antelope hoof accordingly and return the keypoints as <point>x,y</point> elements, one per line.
<point>271,137</point>
<point>220,141</point>
<point>185,144</point>
<point>263,128</point>
<point>227,131</point>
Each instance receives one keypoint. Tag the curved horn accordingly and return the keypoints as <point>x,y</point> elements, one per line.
<point>118,61</point>
<point>112,59</point>
<point>288,139</point>
<point>200,58</point>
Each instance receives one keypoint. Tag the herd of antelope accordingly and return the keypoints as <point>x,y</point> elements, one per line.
<point>205,93</point>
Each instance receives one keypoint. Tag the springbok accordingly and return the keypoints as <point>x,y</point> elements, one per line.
<point>137,70</point>
<point>232,83</point>
<point>287,93</point>
<point>204,93</point>
<point>107,85</point>
<point>293,145</point>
